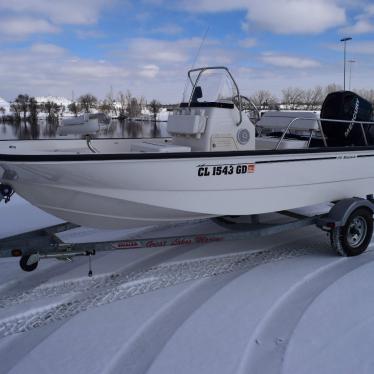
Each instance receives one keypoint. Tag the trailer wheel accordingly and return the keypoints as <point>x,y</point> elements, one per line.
<point>23,262</point>
<point>353,238</point>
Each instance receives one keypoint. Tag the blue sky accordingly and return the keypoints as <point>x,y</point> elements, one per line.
<point>52,47</point>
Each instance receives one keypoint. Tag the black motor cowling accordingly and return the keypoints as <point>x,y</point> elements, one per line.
<point>347,106</point>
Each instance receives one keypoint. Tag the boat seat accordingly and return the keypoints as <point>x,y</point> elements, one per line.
<point>279,121</point>
<point>268,142</point>
<point>154,147</point>
<point>186,124</point>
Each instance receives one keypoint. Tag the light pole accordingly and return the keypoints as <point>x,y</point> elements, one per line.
<point>345,40</point>
<point>350,62</point>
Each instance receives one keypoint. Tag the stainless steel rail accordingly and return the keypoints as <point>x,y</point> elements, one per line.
<point>319,120</point>
<point>201,71</point>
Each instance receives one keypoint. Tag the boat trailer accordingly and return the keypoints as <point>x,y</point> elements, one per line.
<point>349,224</point>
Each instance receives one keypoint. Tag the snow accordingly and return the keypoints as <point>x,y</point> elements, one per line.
<point>163,115</point>
<point>4,104</point>
<point>283,304</point>
<point>59,100</point>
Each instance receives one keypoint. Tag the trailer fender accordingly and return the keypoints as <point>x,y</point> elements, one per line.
<point>341,211</point>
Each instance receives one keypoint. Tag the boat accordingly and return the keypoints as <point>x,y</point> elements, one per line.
<point>88,123</point>
<point>216,162</point>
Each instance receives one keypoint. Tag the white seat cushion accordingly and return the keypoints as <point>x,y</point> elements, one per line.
<point>278,121</point>
<point>186,124</point>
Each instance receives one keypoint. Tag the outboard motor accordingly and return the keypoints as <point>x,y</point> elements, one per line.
<point>347,106</point>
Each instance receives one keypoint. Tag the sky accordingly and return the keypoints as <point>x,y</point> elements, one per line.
<point>73,47</point>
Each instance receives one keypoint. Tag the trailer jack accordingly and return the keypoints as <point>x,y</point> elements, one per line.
<point>30,262</point>
<point>6,192</point>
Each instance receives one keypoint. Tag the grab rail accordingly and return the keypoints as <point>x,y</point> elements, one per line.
<point>319,120</point>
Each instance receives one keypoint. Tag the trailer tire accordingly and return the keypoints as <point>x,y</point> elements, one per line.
<point>25,266</point>
<point>353,238</point>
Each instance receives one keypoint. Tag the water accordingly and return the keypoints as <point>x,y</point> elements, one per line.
<point>48,130</point>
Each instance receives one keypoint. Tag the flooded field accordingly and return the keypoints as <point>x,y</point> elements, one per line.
<point>48,130</point>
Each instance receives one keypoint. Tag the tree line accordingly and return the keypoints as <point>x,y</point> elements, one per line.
<point>25,107</point>
<point>125,105</point>
<point>294,98</point>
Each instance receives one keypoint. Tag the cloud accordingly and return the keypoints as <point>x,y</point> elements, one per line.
<point>149,71</point>
<point>49,69</point>
<point>279,16</point>
<point>296,16</point>
<point>354,47</point>
<point>92,70</point>
<point>89,34</point>
<point>154,68</point>
<point>247,43</point>
<point>81,12</point>
<point>23,26</point>
<point>47,49</point>
<point>285,61</point>
<point>156,50</point>
<point>362,26</point>
<point>168,29</point>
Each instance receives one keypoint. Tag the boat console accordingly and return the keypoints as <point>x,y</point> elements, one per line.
<point>209,118</point>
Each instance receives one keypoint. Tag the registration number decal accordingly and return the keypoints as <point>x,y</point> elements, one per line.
<point>229,169</point>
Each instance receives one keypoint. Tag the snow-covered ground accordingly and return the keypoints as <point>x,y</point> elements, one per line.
<point>6,106</point>
<point>54,99</point>
<point>282,304</point>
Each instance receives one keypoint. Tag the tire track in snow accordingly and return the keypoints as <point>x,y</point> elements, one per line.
<point>128,284</point>
<point>33,285</point>
<point>23,344</point>
<point>150,339</point>
<point>268,344</point>
<point>87,289</point>
<point>33,280</point>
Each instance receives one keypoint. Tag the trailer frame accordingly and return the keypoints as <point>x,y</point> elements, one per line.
<point>44,243</point>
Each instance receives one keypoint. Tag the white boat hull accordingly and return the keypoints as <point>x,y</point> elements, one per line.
<point>135,192</point>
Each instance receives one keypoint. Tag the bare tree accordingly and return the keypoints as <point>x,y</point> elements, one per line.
<point>74,108</point>
<point>52,109</point>
<point>313,98</point>
<point>122,105</point>
<point>106,107</point>
<point>332,87</point>
<point>366,94</point>
<point>263,99</point>
<point>128,97</point>
<point>111,102</point>
<point>33,110</point>
<point>16,110</point>
<point>154,106</point>
<point>21,105</point>
<point>292,97</point>
<point>87,102</point>
<point>142,102</point>
<point>133,108</point>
